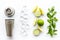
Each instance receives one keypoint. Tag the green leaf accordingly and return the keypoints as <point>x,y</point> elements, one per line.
<point>49,26</point>
<point>53,14</point>
<point>49,21</point>
<point>55,33</point>
<point>55,19</point>
<point>52,9</point>
<point>48,15</point>
<point>54,25</point>
<point>54,30</point>
<point>51,32</point>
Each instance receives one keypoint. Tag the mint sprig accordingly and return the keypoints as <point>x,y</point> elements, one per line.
<point>52,21</point>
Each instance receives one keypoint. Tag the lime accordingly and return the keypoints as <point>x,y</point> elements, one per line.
<point>37,14</point>
<point>40,28</point>
<point>36,32</point>
<point>40,22</point>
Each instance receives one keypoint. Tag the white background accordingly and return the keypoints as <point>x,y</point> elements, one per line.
<point>18,5</point>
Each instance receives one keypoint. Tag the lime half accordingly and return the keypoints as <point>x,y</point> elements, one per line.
<point>40,22</point>
<point>36,32</point>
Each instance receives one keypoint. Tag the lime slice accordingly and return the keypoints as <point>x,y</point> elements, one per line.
<point>36,32</point>
<point>35,9</point>
<point>41,11</point>
<point>39,28</point>
<point>35,21</point>
<point>37,14</point>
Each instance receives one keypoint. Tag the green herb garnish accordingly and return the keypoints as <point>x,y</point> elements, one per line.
<point>52,21</point>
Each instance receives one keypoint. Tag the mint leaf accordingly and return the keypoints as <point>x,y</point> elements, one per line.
<point>49,16</point>
<point>55,19</point>
<point>54,25</point>
<point>53,14</point>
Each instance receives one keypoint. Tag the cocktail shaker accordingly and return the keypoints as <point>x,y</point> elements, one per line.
<point>9,26</point>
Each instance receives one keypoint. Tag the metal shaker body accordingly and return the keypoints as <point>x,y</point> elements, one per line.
<point>9,26</point>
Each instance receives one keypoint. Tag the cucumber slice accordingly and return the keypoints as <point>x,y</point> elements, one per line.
<point>36,32</point>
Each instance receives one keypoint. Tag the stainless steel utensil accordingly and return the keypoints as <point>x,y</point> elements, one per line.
<point>9,26</point>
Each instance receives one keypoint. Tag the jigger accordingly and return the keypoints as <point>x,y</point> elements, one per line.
<point>9,12</point>
<point>9,26</point>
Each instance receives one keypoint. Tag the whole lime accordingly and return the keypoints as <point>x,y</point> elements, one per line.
<point>40,22</point>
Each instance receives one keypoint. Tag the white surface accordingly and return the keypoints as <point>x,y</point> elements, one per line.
<point>18,6</point>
